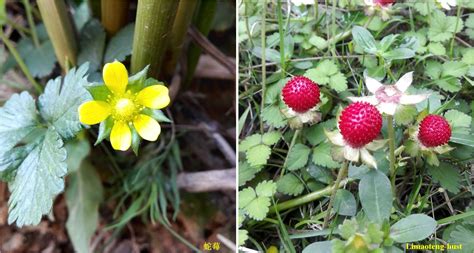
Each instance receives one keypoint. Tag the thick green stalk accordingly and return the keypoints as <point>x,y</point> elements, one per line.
<point>152,30</point>
<point>203,22</point>
<point>342,173</point>
<point>114,15</point>
<point>310,197</point>
<point>391,146</point>
<point>60,30</point>
<point>183,19</point>
<point>20,62</point>
<point>31,22</point>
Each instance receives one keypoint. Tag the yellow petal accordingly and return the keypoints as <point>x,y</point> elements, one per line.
<point>93,112</point>
<point>147,127</point>
<point>155,97</point>
<point>121,136</point>
<point>115,77</point>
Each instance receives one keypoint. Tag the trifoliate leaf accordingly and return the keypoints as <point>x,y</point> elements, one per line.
<point>250,141</point>
<point>58,104</point>
<point>271,138</point>
<point>92,44</point>
<point>345,203</point>
<point>454,68</point>
<point>258,155</point>
<point>328,73</point>
<point>18,119</point>
<point>442,27</point>
<point>436,48</point>
<point>290,184</point>
<point>459,121</point>
<point>246,196</point>
<point>446,175</point>
<point>322,156</point>
<point>120,46</point>
<point>338,82</point>
<point>38,180</point>
<point>258,208</point>
<point>273,117</point>
<point>298,156</point>
<point>83,196</point>
<point>266,188</point>
<point>433,69</point>
<point>247,172</point>
<point>450,84</point>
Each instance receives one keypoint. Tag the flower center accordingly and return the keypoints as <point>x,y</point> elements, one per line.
<point>125,107</point>
<point>388,94</point>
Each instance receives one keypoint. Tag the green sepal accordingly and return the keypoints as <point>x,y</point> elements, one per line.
<point>105,128</point>
<point>135,141</point>
<point>432,159</point>
<point>156,114</point>
<point>99,91</point>
<point>137,81</point>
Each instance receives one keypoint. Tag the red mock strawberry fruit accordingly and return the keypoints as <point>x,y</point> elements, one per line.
<point>301,94</point>
<point>360,123</point>
<point>384,2</point>
<point>434,131</point>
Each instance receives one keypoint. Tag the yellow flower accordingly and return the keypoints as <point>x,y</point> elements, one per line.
<point>125,107</point>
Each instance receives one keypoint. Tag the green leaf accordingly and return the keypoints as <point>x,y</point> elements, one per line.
<point>246,196</point>
<point>271,55</point>
<point>463,234</point>
<point>322,156</point>
<point>92,44</point>
<point>298,156</point>
<point>255,203</point>
<point>58,104</point>
<point>247,172</point>
<point>327,72</point>
<point>318,247</point>
<point>41,60</point>
<point>271,138</point>
<point>375,195</point>
<point>18,119</point>
<point>78,150</point>
<point>463,139</point>
<point>405,114</point>
<point>258,208</point>
<point>273,117</point>
<point>120,46</point>
<point>83,197</point>
<point>454,68</point>
<point>436,48</point>
<point>290,184</point>
<point>266,188</point>
<point>345,203</point>
<point>320,174</point>
<point>364,39</point>
<point>338,82</point>
<point>442,28</point>
<point>258,155</point>
<point>450,84</point>
<point>250,141</point>
<point>315,133</point>
<point>38,180</point>
<point>447,176</point>
<point>413,228</point>
<point>243,236</point>
<point>398,54</point>
<point>318,42</point>
<point>433,69</point>
<point>459,121</point>
<point>3,13</point>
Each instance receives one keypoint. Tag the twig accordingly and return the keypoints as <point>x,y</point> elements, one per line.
<point>207,181</point>
<point>222,144</point>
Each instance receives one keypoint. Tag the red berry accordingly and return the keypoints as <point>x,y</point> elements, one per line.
<point>360,123</point>
<point>384,2</point>
<point>434,131</point>
<point>301,94</point>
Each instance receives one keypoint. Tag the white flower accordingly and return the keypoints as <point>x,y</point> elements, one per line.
<point>447,4</point>
<point>301,2</point>
<point>297,119</point>
<point>387,97</point>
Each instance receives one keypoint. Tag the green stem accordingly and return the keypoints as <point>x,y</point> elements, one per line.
<point>31,22</point>
<point>309,197</point>
<point>152,30</point>
<point>455,217</point>
<point>391,146</point>
<point>282,40</point>
<point>20,62</point>
<point>451,46</point>
<point>292,143</point>
<point>264,67</point>
<point>342,173</point>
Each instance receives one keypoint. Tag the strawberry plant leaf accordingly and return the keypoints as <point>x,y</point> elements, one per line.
<point>290,184</point>
<point>459,121</point>
<point>273,117</point>
<point>298,157</point>
<point>266,188</point>
<point>338,82</point>
<point>454,68</point>
<point>120,46</point>
<point>247,172</point>
<point>258,155</point>
<point>447,176</point>
<point>462,235</point>
<point>364,39</point>
<point>250,141</point>
<point>92,44</point>
<point>271,138</point>
<point>322,156</point>
<point>443,27</point>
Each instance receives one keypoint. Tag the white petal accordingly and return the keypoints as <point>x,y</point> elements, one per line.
<point>335,137</point>
<point>372,84</point>
<point>369,99</point>
<point>404,82</point>
<point>413,99</point>
<point>367,158</point>
<point>351,154</point>
<point>376,144</point>
<point>387,108</point>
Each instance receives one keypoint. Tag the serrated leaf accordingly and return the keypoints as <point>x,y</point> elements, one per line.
<point>266,188</point>
<point>398,54</point>
<point>243,236</point>
<point>273,117</point>
<point>92,44</point>
<point>375,196</point>
<point>450,84</point>
<point>405,114</point>
<point>436,48</point>
<point>433,69</point>
<point>83,197</point>
<point>250,141</point>
<point>18,119</point>
<point>258,208</point>
<point>463,234</point>
<point>246,196</point>
<point>298,156</point>
<point>290,184</point>
<point>322,156</point>
<point>447,176</point>
<point>315,133</point>
<point>459,121</point>
<point>320,174</point>
<point>271,138</point>
<point>38,180</point>
<point>58,104</point>
<point>442,27</point>
<point>120,46</point>
<point>345,203</point>
<point>338,82</point>
<point>463,139</point>
<point>413,228</point>
<point>247,172</point>
<point>258,155</point>
<point>454,68</point>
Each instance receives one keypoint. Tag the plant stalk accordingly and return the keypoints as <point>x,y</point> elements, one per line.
<point>292,143</point>
<point>152,30</point>
<point>114,15</point>
<point>60,30</point>
<point>264,67</point>
<point>31,23</point>
<point>391,146</point>
<point>342,173</point>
